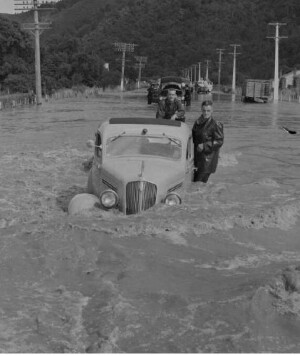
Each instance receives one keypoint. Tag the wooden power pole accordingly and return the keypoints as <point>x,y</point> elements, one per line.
<point>199,71</point>
<point>276,69</point>
<point>220,50</point>
<point>234,66</point>
<point>141,64</point>
<point>207,65</point>
<point>124,47</point>
<point>36,28</point>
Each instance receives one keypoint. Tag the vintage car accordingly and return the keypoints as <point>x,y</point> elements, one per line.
<point>176,83</point>
<point>140,162</point>
<point>204,86</point>
<point>153,93</point>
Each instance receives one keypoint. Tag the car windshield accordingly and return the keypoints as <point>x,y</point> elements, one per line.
<point>162,146</point>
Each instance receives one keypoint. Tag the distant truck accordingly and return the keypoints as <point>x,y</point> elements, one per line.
<point>256,91</point>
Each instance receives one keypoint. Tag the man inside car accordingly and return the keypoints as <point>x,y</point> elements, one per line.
<point>170,108</point>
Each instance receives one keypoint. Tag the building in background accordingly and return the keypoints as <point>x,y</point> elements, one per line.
<point>291,79</point>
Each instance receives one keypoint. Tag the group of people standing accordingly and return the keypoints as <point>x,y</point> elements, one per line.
<point>208,135</point>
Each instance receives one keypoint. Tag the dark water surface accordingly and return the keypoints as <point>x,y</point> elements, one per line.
<point>208,276</point>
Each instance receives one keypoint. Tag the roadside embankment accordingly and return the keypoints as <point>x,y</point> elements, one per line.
<point>13,100</point>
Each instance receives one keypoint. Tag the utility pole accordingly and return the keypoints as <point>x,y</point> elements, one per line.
<point>141,64</point>
<point>124,47</point>
<point>276,38</point>
<point>191,74</point>
<point>220,50</point>
<point>199,72</point>
<point>36,28</point>
<point>207,64</point>
<point>234,66</point>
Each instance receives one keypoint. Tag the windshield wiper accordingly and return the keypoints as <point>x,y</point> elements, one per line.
<point>172,140</point>
<point>116,137</point>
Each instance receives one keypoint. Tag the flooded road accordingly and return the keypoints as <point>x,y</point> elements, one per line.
<point>220,273</point>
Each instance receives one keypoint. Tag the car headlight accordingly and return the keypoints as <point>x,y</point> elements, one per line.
<point>109,199</point>
<point>173,199</point>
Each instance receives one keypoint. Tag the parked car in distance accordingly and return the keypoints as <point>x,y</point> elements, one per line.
<point>140,162</point>
<point>153,93</point>
<point>170,82</point>
<point>204,86</point>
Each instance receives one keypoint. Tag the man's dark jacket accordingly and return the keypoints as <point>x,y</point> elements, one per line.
<point>166,109</point>
<point>210,133</point>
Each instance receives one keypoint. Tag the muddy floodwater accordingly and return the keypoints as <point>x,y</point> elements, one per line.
<point>220,273</point>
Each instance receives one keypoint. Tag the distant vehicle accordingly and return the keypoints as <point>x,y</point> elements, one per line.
<point>172,82</point>
<point>209,86</point>
<point>140,162</point>
<point>153,93</point>
<point>204,86</point>
<point>256,91</point>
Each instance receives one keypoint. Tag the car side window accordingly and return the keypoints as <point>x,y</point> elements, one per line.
<point>98,143</point>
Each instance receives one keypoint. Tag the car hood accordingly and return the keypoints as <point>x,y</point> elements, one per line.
<point>157,172</point>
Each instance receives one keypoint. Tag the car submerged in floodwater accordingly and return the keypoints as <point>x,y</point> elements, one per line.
<point>140,162</point>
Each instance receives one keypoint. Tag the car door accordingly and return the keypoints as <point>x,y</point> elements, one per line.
<point>189,164</point>
<point>95,173</point>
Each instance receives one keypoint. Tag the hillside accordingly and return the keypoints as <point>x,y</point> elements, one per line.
<point>173,34</point>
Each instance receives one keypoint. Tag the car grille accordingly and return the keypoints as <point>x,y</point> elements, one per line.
<point>140,196</point>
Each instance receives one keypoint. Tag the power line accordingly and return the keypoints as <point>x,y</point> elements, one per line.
<point>27,5</point>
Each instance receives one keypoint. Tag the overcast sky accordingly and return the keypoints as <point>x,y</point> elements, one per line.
<point>7,6</point>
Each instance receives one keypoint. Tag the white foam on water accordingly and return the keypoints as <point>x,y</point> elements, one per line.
<point>229,159</point>
<point>269,182</point>
<point>282,217</point>
<point>175,238</point>
<point>252,261</point>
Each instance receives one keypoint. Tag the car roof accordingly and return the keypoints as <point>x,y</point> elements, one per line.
<point>154,126</point>
<point>171,79</point>
<point>144,121</point>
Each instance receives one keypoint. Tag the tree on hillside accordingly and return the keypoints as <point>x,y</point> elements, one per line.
<point>16,56</point>
<point>173,34</point>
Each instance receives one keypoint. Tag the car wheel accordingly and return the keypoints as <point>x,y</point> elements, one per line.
<point>81,203</point>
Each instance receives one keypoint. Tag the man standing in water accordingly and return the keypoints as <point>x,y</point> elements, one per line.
<point>208,137</point>
<point>170,108</point>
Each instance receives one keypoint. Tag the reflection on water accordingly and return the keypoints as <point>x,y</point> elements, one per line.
<point>208,276</point>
